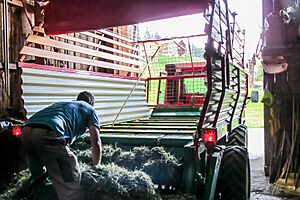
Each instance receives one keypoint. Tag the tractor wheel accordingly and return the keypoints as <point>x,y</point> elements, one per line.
<point>234,179</point>
<point>238,136</point>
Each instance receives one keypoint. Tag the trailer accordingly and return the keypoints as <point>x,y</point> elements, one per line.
<point>196,99</point>
<point>196,116</point>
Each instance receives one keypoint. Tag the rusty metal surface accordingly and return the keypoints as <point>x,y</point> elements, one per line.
<point>65,16</point>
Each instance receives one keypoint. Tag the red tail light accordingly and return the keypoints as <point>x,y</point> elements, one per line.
<point>210,135</point>
<point>16,131</point>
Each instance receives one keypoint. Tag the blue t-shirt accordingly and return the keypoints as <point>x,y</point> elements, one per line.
<point>68,119</point>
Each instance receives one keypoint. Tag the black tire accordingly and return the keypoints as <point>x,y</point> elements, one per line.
<point>234,176</point>
<point>238,137</point>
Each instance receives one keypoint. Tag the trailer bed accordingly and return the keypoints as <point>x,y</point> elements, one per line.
<point>163,128</point>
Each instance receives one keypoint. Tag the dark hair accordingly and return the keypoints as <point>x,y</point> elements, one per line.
<point>87,97</point>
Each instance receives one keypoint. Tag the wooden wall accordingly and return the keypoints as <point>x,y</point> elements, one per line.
<point>109,51</point>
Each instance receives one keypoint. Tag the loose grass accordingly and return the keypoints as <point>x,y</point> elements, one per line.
<point>123,174</point>
<point>104,182</point>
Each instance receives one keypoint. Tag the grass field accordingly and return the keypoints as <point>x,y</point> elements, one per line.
<point>157,68</point>
<point>254,113</point>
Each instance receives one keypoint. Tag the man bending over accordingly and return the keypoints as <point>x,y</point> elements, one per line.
<point>47,136</point>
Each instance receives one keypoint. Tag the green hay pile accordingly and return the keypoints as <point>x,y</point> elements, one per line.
<point>163,168</point>
<point>123,174</point>
<point>104,182</point>
<point>113,182</point>
<point>22,189</point>
<point>82,143</point>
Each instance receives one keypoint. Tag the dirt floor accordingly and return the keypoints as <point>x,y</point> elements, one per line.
<point>260,187</point>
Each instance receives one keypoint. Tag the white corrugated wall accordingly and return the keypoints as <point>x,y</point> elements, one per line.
<point>44,87</point>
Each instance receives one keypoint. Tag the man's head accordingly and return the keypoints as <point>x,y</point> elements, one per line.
<point>87,97</point>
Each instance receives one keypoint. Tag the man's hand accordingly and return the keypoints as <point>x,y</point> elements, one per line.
<point>96,144</point>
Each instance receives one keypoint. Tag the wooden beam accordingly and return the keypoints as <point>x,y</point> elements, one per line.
<point>11,66</point>
<point>68,58</point>
<point>38,29</point>
<point>18,3</point>
<point>61,45</point>
<point>81,41</point>
<point>115,35</point>
<point>110,41</point>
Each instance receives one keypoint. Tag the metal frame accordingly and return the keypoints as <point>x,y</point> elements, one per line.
<point>212,174</point>
<point>219,18</point>
<point>229,57</point>
<point>223,71</point>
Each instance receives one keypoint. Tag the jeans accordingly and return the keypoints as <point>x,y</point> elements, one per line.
<point>45,149</point>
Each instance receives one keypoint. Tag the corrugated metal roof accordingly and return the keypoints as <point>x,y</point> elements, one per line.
<point>44,87</point>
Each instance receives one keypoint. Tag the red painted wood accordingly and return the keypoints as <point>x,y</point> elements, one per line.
<point>66,16</point>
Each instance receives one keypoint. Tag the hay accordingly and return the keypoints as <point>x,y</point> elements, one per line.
<point>82,143</point>
<point>123,174</point>
<point>126,159</point>
<point>22,188</point>
<point>113,182</point>
<point>159,153</point>
<point>85,156</point>
<point>16,187</point>
<point>103,182</point>
<point>80,146</point>
<point>163,168</point>
<point>107,152</point>
<point>142,155</point>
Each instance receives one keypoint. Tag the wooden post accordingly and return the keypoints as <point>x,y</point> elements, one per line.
<point>6,53</point>
<point>267,8</point>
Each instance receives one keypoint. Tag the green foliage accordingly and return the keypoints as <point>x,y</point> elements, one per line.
<point>258,72</point>
<point>254,113</point>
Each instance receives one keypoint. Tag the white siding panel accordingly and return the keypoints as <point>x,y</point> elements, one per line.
<point>43,87</point>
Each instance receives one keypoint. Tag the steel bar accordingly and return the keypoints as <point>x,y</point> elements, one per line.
<point>214,163</point>
<point>186,124</point>
<point>223,64</point>
<point>171,38</point>
<point>152,131</point>
<point>179,77</point>
<point>136,83</point>
<point>148,140</point>
<point>146,127</point>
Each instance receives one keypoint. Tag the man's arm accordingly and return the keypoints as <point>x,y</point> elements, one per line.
<point>96,144</point>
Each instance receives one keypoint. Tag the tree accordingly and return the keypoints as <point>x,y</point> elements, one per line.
<point>147,35</point>
<point>157,36</point>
